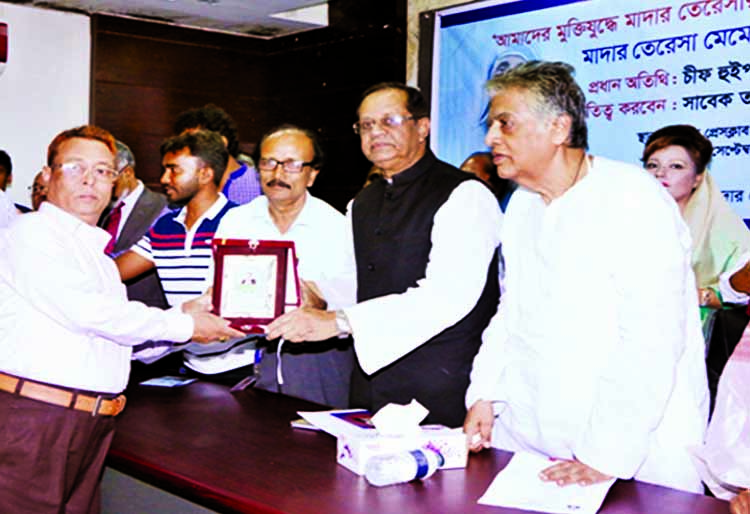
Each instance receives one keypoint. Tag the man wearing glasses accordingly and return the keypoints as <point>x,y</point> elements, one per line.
<point>425,239</point>
<point>290,160</point>
<point>66,334</point>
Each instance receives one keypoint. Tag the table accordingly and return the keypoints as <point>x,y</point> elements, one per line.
<point>236,452</point>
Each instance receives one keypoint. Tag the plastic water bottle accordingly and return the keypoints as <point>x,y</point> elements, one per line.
<point>397,468</point>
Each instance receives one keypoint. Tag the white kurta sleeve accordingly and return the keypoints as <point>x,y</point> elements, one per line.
<point>465,236</point>
<point>485,373</point>
<point>655,296</point>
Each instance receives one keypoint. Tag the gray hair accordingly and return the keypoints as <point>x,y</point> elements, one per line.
<point>124,156</point>
<point>555,88</point>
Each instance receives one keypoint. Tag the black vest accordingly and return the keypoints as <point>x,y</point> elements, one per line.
<point>392,224</point>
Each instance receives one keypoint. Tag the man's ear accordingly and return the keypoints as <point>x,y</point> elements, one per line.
<point>46,174</point>
<point>561,129</point>
<point>423,128</point>
<point>312,177</point>
<point>206,175</point>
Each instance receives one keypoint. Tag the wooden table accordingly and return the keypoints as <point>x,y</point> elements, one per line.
<point>237,453</point>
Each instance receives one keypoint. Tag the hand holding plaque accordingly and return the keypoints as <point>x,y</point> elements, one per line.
<point>254,281</point>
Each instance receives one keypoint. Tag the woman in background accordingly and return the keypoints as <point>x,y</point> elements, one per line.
<point>677,155</point>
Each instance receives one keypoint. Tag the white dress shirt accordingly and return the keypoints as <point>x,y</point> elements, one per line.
<point>128,203</point>
<point>596,351</point>
<point>465,234</point>
<point>64,315</point>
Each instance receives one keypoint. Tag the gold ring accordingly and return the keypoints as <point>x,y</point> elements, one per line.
<point>223,338</point>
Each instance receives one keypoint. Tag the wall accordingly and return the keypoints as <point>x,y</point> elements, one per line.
<point>145,74</point>
<point>44,88</point>
<point>416,7</point>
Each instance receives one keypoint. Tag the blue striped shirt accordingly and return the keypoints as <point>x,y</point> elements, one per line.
<point>183,257</point>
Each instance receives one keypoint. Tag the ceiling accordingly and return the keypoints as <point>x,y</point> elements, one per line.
<point>255,18</point>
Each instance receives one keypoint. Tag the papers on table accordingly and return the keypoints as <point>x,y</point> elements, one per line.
<point>339,422</point>
<point>519,486</point>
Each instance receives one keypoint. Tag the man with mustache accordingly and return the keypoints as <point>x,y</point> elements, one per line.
<point>290,160</point>
<point>179,243</point>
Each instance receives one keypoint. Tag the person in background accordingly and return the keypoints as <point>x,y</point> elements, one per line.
<point>290,160</point>
<point>134,210</point>
<point>425,241</point>
<point>481,165</point>
<point>595,356</point>
<point>38,191</point>
<point>6,170</point>
<point>66,334</point>
<point>678,157</point>
<point>178,245</point>
<point>8,210</point>
<point>239,182</point>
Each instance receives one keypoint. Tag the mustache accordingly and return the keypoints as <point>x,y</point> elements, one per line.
<point>276,182</point>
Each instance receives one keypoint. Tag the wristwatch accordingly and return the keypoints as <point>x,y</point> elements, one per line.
<point>342,323</point>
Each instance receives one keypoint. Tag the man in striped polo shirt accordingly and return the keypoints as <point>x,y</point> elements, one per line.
<point>179,243</point>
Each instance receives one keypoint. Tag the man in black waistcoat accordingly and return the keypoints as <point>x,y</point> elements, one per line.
<point>425,237</point>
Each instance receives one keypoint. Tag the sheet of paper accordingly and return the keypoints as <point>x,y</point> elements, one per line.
<point>518,486</point>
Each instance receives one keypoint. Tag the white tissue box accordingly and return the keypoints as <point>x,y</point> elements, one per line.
<point>355,448</point>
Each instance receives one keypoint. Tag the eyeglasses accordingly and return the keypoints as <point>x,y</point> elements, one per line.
<point>391,121</point>
<point>289,166</point>
<point>76,169</point>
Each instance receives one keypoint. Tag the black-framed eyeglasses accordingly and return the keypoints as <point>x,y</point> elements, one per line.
<point>391,121</point>
<point>75,169</point>
<point>289,166</point>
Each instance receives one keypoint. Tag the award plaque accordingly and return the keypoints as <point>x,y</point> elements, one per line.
<point>254,281</point>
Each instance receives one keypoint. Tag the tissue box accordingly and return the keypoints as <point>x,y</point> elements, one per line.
<point>355,448</point>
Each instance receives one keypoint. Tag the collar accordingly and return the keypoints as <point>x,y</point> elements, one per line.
<point>302,217</point>
<point>132,196</point>
<point>66,222</point>
<point>413,173</point>
<point>239,171</point>
<point>210,213</point>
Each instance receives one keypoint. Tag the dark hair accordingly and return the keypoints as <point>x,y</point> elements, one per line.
<point>83,132</point>
<point>557,91</point>
<point>415,102</point>
<point>696,144</point>
<point>5,162</point>
<point>318,154</point>
<point>210,117</point>
<point>203,144</point>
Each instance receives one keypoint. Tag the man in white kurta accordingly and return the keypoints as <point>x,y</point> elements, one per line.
<point>596,352</point>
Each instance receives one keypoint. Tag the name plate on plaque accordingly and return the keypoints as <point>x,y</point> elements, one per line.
<point>255,281</point>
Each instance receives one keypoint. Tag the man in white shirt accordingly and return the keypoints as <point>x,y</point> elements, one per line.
<point>290,160</point>
<point>595,356</point>
<point>66,333</point>
<point>425,238</point>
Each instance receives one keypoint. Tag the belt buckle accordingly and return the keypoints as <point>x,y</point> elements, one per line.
<point>97,404</point>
